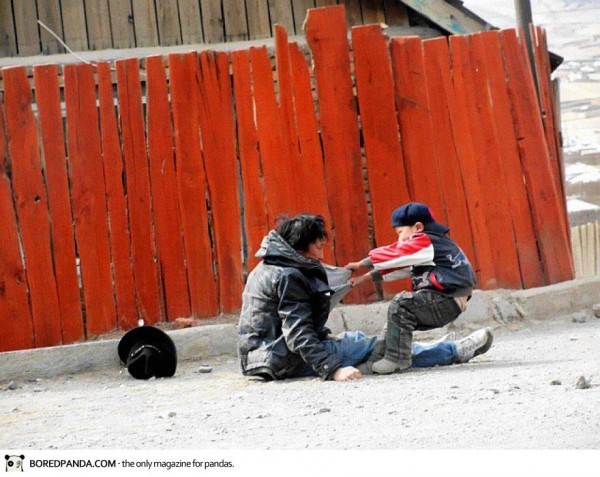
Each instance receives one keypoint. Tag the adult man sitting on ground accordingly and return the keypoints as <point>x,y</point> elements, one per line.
<point>285,307</point>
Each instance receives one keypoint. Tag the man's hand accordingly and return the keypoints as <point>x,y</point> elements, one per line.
<point>360,279</point>
<point>349,373</point>
<point>354,265</point>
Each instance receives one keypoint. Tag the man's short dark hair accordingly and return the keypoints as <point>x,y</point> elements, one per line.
<point>302,230</point>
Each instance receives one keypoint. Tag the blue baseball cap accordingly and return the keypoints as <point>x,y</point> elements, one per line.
<point>413,212</point>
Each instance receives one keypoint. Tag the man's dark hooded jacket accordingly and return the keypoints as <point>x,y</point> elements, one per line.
<point>284,309</point>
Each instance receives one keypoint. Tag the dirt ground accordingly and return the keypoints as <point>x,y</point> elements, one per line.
<point>522,394</point>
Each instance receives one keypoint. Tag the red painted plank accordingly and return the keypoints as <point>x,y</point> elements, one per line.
<point>415,124</point>
<point>31,206</point>
<point>63,240</point>
<point>491,173</point>
<point>138,190</point>
<point>531,269</point>
<point>120,241</point>
<point>458,101</point>
<point>441,104</point>
<point>298,108</point>
<point>220,160</point>
<point>549,114</point>
<point>327,36</point>
<point>163,181</point>
<point>15,314</point>
<point>544,199</point>
<point>385,162</point>
<point>544,85</point>
<point>191,184</point>
<point>88,198</point>
<point>282,193</point>
<point>255,215</point>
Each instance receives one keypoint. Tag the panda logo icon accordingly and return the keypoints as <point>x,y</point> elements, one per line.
<point>14,463</point>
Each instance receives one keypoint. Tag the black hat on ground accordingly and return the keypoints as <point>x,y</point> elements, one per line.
<point>147,352</point>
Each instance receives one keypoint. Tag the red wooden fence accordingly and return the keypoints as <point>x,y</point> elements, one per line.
<point>153,207</point>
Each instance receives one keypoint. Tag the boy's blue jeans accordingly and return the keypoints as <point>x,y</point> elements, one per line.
<point>354,347</point>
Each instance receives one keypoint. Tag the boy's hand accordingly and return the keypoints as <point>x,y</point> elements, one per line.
<point>354,265</point>
<point>348,373</point>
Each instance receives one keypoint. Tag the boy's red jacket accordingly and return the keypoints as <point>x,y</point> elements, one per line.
<point>433,261</point>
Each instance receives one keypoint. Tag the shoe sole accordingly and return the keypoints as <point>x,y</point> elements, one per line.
<point>487,345</point>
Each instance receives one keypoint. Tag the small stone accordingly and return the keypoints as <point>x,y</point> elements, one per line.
<point>582,383</point>
<point>579,317</point>
<point>596,310</point>
<point>323,410</point>
<point>12,386</point>
<point>172,414</point>
<point>204,369</point>
<point>555,382</point>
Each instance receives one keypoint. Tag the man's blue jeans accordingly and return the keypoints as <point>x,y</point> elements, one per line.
<point>354,347</point>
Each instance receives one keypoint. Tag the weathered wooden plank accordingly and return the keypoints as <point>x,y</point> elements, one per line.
<point>88,198</point>
<point>258,19</point>
<point>121,20</point>
<point>255,215</point>
<point>297,116</point>
<point>73,16</point>
<point>327,36</point>
<point>589,265</point>
<point>577,251</point>
<point>311,153</point>
<point>549,105</point>
<point>212,21</point>
<point>138,190</point>
<point>415,124</point>
<point>63,241</point>
<point>49,14</point>
<point>28,39</point>
<point>167,17</point>
<point>446,15</point>
<point>484,123</point>
<point>191,183</point>
<point>396,13</point>
<point>8,41</point>
<point>543,196</point>
<point>31,206</point>
<point>280,12</point>
<point>278,175</point>
<point>163,180</point>
<point>531,270</point>
<point>17,324</point>
<point>597,251</point>
<point>299,8</point>
<point>120,241</point>
<point>234,13</point>
<point>353,12</point>
<point>220,162</point>
<point>325,3</point>
<point>190,21</point>
<point>458,103</point>
<point>144,23</point>
<point>98,24</point>
<point>385,162</point>
<point>373,11</point>
<point>439,86</point>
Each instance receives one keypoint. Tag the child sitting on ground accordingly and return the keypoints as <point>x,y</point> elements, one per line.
<point>442,282</point>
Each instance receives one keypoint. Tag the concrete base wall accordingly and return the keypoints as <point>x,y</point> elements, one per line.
<point>489,308</point>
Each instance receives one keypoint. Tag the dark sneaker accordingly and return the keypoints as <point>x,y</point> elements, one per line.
<point>386,366</point>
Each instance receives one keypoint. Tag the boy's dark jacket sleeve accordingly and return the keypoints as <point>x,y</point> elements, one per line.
<point>299,329</point>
